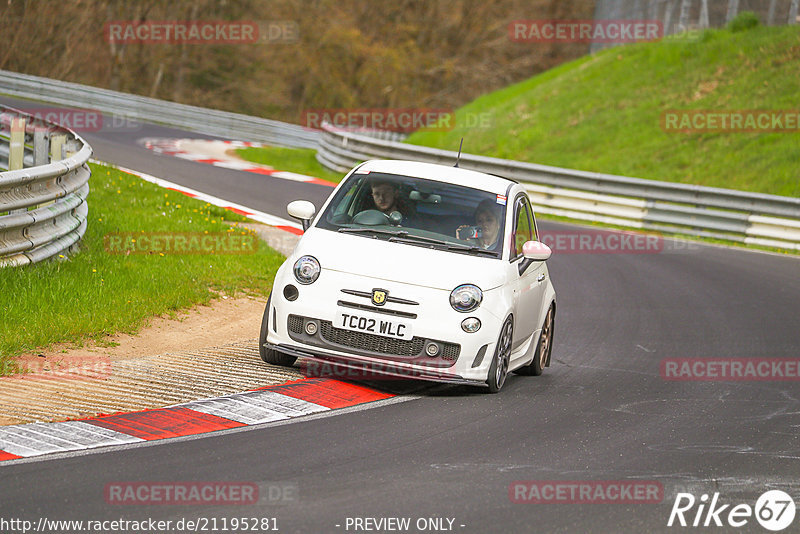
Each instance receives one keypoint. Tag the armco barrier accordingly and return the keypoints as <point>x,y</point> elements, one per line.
<point>132,107</point>
<point>750,218</point>
<point>43,206</point>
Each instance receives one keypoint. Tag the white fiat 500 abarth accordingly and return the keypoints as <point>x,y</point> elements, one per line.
<point>416,270</point>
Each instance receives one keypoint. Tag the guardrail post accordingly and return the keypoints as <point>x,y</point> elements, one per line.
<point>70,149</point>
<point>40,152</point>
<point>58,151</point>
<point>16,148</point>
<point>57,147</point>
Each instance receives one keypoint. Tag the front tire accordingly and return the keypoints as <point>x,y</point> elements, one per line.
<point>541,358</point>
<point>271,356</point>
<point>502,356</point>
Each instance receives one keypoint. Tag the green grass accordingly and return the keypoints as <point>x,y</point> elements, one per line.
<point>93,293</point>
<point>603,112</point>
<point>299,160</point>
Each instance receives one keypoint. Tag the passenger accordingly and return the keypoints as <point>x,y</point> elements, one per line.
<point>487,221</point>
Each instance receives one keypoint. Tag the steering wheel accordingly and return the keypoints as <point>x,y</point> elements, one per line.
<point>371,218</point>
<point>341,218</point>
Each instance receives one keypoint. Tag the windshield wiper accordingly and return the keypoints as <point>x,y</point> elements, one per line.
<point>419,239</point>
<point>415,239</point>
<point>402,236</point>
<point>393,233</point>
<point>472,250</point>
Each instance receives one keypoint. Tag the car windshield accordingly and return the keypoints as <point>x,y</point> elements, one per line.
<point>420,212</point>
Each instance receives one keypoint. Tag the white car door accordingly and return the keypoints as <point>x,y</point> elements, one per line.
<point>530,275</point>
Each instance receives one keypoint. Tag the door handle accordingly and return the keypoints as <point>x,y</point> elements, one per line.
<point>541,277</point>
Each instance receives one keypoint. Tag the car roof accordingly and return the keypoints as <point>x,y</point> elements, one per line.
<point>439,173</point>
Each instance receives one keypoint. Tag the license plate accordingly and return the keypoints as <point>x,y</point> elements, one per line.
<point>371,325</point>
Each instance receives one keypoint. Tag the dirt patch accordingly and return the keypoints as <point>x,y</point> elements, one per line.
<point>225,320</point>
<point>207,351</point>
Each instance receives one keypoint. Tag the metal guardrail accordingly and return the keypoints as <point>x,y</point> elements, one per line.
<point>43,205</point>
<point>207,121</point>
<point>750,218</point>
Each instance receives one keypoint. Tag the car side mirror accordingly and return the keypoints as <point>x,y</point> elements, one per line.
<point>302,210</point>
<point>536,251</point>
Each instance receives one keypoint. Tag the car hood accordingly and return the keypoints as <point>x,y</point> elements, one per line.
<point>398,262</point>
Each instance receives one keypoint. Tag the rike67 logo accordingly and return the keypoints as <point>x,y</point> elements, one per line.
<point>774,510</point>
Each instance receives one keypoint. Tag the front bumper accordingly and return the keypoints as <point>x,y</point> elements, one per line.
<point>464,357</point>
<point>366,370</point>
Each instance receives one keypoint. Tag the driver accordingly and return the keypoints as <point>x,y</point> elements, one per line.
<point>387,199</point>
<point>386,196</point>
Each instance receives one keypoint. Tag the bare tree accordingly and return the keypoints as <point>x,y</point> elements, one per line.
<point>733,10</point>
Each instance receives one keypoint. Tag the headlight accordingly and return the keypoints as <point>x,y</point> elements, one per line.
<point>466,298</point>
<point>306,270</point>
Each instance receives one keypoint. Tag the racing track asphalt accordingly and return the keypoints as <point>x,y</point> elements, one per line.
<point>600,412</point>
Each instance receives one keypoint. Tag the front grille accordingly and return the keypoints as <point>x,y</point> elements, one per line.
<point>371,342</point>
<point>368,344</point>
<point>450,351</point>
<point>296,324</point>
<point>373,309</point>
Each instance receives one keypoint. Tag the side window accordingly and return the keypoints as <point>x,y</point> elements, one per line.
<point>358,198</point>
<point>533,219</point>
<point>344,203</point>
<point>522,226</point>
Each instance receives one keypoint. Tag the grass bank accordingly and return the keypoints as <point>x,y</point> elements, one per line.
<point>96,293</point>
<point>604,112</point>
